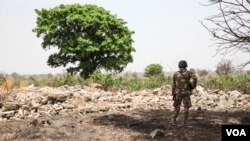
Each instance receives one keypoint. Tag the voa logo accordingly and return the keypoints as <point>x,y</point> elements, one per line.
<point>236,132</point>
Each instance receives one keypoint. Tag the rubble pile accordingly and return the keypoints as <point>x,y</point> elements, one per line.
<point>34,102</point>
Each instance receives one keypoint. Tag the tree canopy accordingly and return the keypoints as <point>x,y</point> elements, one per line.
<point>87,38</point>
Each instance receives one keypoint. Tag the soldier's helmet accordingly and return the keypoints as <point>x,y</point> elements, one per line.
<point>183,64</point>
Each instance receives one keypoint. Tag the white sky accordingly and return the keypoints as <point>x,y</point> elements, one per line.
<point>166,31</point>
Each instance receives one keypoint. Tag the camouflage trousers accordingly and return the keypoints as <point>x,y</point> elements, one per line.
<point>177,104</point>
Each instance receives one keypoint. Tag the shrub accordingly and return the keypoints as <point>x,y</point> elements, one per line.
<point>111,82</point>
<point>153,70</point>
<point>228,82</point>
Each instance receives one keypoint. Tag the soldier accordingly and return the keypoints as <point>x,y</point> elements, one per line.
<point>184,82</point>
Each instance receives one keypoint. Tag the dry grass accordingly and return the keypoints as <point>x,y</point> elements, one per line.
<point>6,88</point>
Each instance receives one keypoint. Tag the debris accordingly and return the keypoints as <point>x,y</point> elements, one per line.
<point>156,133</point>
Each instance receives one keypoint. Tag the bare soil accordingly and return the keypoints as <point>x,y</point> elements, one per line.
<point>130,125</point>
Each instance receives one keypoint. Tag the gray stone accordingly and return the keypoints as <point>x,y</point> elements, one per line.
<point>10,106</point>
<point>57,107</point>
<point>3,119</point>
<point>57,98</point>
<point>200,90</point>
<point>68,106</point>
<point>156,91</point>
<point>35,104</point>
<point>234,95</point>
<point>96,85</point>
<point>216,91</point>
<point>7,114</point>
<point>157,132</point>
<point>233,120</point>
<point>169,134</point>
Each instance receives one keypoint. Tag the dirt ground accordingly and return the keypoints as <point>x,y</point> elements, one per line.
<point>135,125</point>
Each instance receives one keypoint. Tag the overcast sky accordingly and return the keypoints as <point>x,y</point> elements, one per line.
<point>166,31</point>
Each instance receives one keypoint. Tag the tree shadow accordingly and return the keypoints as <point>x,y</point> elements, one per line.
<point>202,125</point>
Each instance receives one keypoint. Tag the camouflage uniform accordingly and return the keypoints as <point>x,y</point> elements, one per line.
<point>182,92</point>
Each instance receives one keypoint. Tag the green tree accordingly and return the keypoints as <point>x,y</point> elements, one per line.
<point>87,37</point>
<point>153,70</point>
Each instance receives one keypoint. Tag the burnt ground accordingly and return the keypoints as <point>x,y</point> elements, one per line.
<point>133,125</point>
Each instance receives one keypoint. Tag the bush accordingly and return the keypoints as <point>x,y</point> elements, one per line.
<point>153,70</point>
<point>228,82</point>
<point>68,79</point>
<point>111,82</point>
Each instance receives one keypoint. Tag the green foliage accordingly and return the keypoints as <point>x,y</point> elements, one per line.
<point>108,81</point>
<point>153,70</point>
<point>87,36</point>
<point>111,82</point>
<point>69,80</point>
<point>228,82</point>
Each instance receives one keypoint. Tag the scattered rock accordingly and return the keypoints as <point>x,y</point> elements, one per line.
<point>233,120</point>
<point>96,85</point>
<point>201,90</point>
<point>155,91</point>
<point>198,118</point>
<point>216,91</point>
<point>10,106</point>
<point>234,95</point>
<point>157,133</point>
<point>7,114</point>
<point>169,134</point>
<point>68,106</point>
<point>57,98</point>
